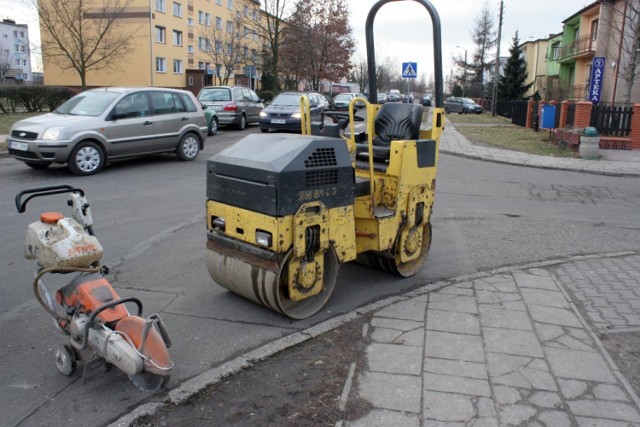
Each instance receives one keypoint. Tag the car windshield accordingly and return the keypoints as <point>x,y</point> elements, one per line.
<point>343,96</point>
<point>216,94</point>
<point>87,104</point>
<point>467,100</point>
<point>287,99</point>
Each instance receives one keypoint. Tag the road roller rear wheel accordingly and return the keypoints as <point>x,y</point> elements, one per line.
<point>390,262</point>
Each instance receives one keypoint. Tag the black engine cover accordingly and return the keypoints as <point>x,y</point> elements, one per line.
<point>274,174</point>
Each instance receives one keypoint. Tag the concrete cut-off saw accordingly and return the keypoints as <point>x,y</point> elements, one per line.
<point>88,310</point>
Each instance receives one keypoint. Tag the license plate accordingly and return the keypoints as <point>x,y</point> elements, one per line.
<point>217,107</point>
<point>20,146</point>
<point>278,121</point>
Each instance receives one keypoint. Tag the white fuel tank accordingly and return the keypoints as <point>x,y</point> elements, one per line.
<point>56,241</point>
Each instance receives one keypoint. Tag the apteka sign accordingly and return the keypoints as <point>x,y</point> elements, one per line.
<point>595,83</point>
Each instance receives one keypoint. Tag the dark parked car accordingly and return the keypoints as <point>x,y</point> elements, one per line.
<point>108,124</point>
<point>234,105</point>
<point>284,111</point>
<point>426,101</point>
<point>461,106</point>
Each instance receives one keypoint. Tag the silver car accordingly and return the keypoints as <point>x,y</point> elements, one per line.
<point>461,106</point>
<point>235,105</point>
<point>111,123</point>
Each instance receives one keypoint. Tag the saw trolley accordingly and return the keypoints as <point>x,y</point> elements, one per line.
<point>100,329</point>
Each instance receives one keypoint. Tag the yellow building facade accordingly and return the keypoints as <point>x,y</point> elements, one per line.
<point>173,43</point>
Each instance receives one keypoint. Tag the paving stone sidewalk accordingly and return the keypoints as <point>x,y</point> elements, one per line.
<point>511,349</point>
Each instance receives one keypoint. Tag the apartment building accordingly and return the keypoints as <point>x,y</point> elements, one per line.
<point>535,54</point>
<point>595,31</point>
<point>15,58</point>
<point>174,43</point>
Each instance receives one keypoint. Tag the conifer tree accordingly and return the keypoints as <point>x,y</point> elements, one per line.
<point>511,86</point>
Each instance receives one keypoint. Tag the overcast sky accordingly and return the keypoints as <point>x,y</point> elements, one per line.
<point>403,31</point>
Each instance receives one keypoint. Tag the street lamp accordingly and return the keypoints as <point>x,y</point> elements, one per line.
<point>464,76</point>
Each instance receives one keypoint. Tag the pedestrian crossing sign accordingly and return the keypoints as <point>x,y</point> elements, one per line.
<point>409,70</point>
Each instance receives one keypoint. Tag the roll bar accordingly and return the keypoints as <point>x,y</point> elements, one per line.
<point>437,50</point>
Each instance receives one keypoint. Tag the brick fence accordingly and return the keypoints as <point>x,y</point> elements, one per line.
<point>582,119</point>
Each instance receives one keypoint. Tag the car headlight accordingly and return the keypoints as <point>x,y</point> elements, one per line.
<point>52,134</point>
<point>296,115</point>
<point>263,114</point>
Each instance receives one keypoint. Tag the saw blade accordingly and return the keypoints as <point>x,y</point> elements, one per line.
<point>148,382</point>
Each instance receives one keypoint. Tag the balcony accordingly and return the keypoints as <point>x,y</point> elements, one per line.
<point>578,92</point>
<point>580,47</point>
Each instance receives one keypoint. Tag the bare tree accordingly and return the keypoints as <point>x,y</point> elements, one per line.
<point>484,37</point>
<point>226,46</point>
<point>84,35</point>
<point>269,27</point>
<point>360,73</point>
<point>319,41</point>
<point>6,61</point>
<point>626,29</point>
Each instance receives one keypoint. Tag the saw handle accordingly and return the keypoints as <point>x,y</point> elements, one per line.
<point>85,332</point>
<point>43,191</point>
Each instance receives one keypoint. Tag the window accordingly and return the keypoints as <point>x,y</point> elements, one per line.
<point>218,23</point>
<point>219,2</point>
<point>23,49</point>
<point>230,4</point>
<point>218,46</point>
<point>24,62</point>
<point>21,34</point>
<point>177,66</point>
<point>245,52</point>
<point>246,10</point>
<point>245,31</point>
<point>15,34</point>
<point>254,15</point>
<point>555,51</point>
<point>190,81</point>
<point>190,22</point>
<point>177,38</point>
<point>254,55</point>
<point>16,48</point>
<point>200,17</point>
<point>161,65</point>
<point>202,43</point>
<point>5,36</point>
<point>160,5</point>
<point>207,19</point>
<point>17,62</point>
<point>161,34</point>
<point>229,49</point>
<point>177,9</point>
<point>229,26</point>
<point>190,48</point>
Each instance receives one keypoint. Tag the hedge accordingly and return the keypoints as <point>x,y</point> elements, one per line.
<point>32,98</point>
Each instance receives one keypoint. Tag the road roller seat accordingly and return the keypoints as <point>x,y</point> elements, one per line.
<point>394,121</point>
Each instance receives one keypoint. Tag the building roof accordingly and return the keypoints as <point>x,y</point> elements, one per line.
<point>581,11</point>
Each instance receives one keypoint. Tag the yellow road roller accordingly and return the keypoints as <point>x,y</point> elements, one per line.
<point>285,210</point>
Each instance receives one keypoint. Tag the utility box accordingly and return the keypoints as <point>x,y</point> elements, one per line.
<point>548,120</point>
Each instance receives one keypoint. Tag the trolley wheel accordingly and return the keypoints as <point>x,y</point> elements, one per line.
<point>65,359</point>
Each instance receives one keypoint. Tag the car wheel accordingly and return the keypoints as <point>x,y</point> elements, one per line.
<point>37,165</point>
<point>189,147</point>
<point>465,111</point>
<point>86,158</point>
<point>264,130</point>
<point>213,127</point>
<point>243,122</point>
<point>447,110</point>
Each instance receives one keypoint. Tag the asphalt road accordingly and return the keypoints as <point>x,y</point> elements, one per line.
<point>149,217</point>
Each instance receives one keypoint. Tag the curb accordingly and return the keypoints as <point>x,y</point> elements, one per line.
<point>569,169</point>
<point>214,376</point>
